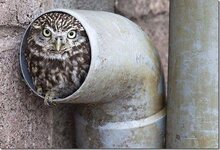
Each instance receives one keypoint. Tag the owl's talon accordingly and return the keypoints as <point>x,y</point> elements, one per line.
<point>48,102</point>
<point>39,91</point>
<point>49,99</point>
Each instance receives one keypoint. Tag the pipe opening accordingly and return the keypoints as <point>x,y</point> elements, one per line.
<point>122,95</point>
<point>55,55</point>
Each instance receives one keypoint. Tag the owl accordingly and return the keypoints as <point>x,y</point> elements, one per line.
<point>58,55</point>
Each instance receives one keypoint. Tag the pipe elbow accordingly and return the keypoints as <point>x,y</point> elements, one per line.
<point>123,95</point>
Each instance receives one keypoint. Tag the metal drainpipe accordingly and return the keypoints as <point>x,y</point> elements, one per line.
<point>192,117</point>
<point>123,93</point>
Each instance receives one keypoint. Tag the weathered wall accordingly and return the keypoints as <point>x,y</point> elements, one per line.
<point>153,17</point>
<point>24,121</point>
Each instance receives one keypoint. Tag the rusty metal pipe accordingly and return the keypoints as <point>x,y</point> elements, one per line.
<point>123,93</point>
<point>192,112</point>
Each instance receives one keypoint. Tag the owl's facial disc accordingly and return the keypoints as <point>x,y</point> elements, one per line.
<point>56,34</point>
<point>57,42</point>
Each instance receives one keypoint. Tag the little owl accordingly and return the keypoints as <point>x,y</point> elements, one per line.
<point>58,55</point>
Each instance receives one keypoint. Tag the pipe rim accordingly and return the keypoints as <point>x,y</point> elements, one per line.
<point>23,64</point>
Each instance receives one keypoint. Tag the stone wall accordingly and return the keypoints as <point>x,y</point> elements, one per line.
<point>24,120</point>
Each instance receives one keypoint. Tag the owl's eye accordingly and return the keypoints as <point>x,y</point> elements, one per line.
<point>71,34</point>
<point>46,33</point>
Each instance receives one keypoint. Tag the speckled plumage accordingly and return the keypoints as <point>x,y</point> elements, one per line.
<point>58,55</point>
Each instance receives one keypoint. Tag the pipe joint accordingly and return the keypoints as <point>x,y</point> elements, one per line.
<point>121,102</point>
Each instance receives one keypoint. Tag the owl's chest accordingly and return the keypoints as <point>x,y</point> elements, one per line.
<point>56,70</point>
<point>53,73</point>
<point>64,75</point>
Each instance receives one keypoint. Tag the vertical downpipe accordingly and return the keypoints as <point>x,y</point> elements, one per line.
<point>192,119</point>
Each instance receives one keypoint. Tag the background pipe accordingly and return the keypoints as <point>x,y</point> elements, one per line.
<point>121,102</point>
<point>192,119</point>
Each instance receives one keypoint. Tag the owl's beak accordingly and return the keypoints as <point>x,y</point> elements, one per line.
<point>58,43</point>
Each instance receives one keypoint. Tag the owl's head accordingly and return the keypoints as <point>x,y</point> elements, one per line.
<point>56,34</point>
